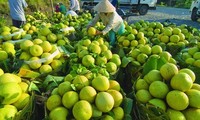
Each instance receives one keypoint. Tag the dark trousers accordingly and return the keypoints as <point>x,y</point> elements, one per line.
<point>18,23</point>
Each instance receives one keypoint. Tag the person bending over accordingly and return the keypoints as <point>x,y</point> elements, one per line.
<point>113,22</point>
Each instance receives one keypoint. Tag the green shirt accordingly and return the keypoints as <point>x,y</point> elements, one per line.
<point>63,9</point>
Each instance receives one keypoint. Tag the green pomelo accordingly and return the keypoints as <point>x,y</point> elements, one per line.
<point>189,72</point>
<point>168,70</point>
<point>59,113</point>
<point>10,92</point>
<point>69,99</point>
<point>8,77</point>
<point>8,112</point>
<point>181,81</point>
<point>175,114</point>
<point>194,98</point>
<point>88,93</point>
<point>153,75</point>
<point>53,101</point>
<point>64,87</point>
<point>80,81</point>
<point>192,114</point>
<point>104,101</point>
<point>143,96</point>
<point>158,89</point>
<point>82,110</point>
<point>158,103</point>
<point>177,100</point>
<point>101,83</point>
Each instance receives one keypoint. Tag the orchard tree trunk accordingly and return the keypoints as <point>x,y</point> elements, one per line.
<point>52,7</point>
<point>170,3</point>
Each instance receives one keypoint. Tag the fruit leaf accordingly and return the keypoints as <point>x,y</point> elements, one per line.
<point>127,105</point>
<point>161,61</point>
<point>11,64</point>
<point>51,82</point>
<point>180,60</point>
<point>125,61</point>
<point>27,112</point>
<point>64,50</point>
<point>121,52</point>
<point>149,112</point>
<point>1,99</point>
<point>157,113</point>
<point>33,86</point>
<point>111,113</point>
<point>174,49</point>
<point>73,87</point>
<point>196,70</point>
<point>151,64</point>
<point>127,117</point>
<point>25,73</point>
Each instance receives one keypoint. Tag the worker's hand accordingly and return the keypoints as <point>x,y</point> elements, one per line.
<point>99,32</point>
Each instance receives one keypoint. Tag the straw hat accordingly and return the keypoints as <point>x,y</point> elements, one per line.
<point>104,6</point>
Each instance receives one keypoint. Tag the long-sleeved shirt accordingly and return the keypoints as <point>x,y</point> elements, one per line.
<point>17,9</point>
<point>74,5</point>
<point>112,21</point>
<point>57,8</point>
<point>63,9</point>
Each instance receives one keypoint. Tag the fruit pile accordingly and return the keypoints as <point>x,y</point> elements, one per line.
<point>87,99</point>
<point>191,56</point>
<point>14,95</point>
<point>11,33</point>
<point>151,72</point>
<point>171,89</point>
<point>40,56</point>
<point>94,94</point>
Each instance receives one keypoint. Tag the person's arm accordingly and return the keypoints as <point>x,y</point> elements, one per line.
<point>25,5</point>
<point>109,26</point>
<point>94,20</point>
<point>72,4</point>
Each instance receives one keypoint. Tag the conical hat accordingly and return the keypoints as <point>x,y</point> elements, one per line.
<point>104,6</point>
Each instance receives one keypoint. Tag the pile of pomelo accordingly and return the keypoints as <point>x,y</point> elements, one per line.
<point>88,92</point>
<point>14,95</point>
<point>171,89</point>
<point>41,53</point>
<point>82,98</point>
<point>152,57</point>
<point>191,56</point>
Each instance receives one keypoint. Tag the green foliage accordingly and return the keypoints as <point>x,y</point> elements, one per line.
<point>183,3</point>
<point>4,4</point>
<point>162,4</point>
<point>2,21</point>
<point>3,1</point>
<point>176,3</point>
<point>33,5</point>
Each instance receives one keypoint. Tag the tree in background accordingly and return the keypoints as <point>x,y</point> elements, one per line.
<point>176,3</point>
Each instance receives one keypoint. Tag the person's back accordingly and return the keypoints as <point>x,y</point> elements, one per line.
<point>57,7</point>
<point>74,5</point>
<point>71,12</point>
<point>17,11</point>
<point>63,9</point>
